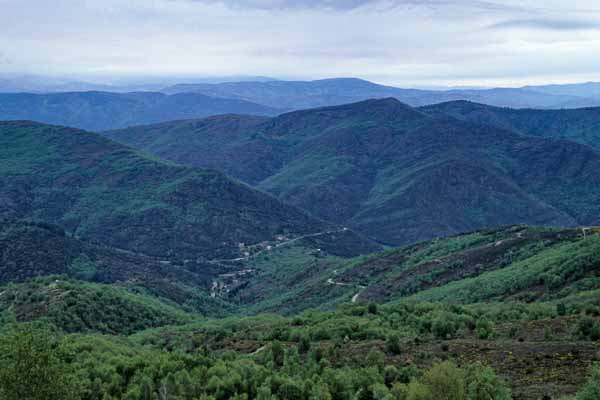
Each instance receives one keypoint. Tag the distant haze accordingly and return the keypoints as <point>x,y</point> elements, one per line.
<point>399,42</point>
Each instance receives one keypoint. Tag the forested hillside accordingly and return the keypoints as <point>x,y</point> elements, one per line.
<point>518,318</point>
<point>581,125</point>
<point>391,171</point>
<point>100,190</point>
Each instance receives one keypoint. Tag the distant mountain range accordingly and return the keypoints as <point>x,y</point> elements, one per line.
<point>396,173</point>
<point>44,84</point>
<point>103,191</point>
<point>106,110</point>
<point>327,92</point>
<point>100,107</point>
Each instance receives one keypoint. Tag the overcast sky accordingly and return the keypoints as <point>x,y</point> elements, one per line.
<point>400,42</point>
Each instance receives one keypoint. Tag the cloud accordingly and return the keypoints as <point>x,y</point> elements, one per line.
<point>401,42</point>
<point>4,59</point>
<point>341,5</point>
<point>547,24</point>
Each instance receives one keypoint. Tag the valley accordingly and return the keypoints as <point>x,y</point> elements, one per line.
<point>299,200</point>
<point>366,251</point>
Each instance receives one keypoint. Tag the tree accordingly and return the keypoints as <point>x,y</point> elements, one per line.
<point>392,344</point>
<point>304,344</point>
<point>278,353</point>
<point>444,326</point>
<point>445,381</point>
<point>34,366</point>
<point>376,359</point>
<point>483,384</point>
<point>484,329</point>
<point>290,391</point>
<point>418,391</point>
<point>591,390</point>
<point>319,391</point>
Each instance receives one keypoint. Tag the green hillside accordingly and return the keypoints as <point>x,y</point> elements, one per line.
<point>31,250</point>
<point>391,171</point>
<point>515,263</point>
<point>100,190</point>
<point>581,125</point>
<point>518,304</point>
<point>74,306</point>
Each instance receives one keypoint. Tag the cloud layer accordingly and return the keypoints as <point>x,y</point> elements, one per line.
<point>404,42</point>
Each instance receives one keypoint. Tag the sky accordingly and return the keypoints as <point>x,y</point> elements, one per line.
<point>407,43</point>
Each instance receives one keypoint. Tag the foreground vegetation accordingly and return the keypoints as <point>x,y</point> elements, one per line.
<point>495,314</point>
<point>360,351</point>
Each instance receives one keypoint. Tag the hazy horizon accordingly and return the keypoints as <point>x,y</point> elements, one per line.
<point>406,43</point>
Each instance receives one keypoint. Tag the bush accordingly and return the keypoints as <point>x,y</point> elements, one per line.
<point>304,344</point>
<point>584,327</point>
<point>291,391</point>
<point>595,333</point>
<point>392,344</point>
<point>445,381</point>
<point>591,390</point>
<point>444,326</point>
<point>418,391</point>
<point>484,329</point>
<point>483,384</point>
<point>372,309</point>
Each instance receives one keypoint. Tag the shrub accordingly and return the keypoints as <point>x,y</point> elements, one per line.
<point>444,326</point>
<point>483,384</point>
<point>418,391</point>
<point>595,333</point>
<point>304,344</point>
<point>584,327</point>
<point>484,329</point>
<point>392,344</point>
<point>591,390</point>
<point>372,309</point>
<point>445,381</point>
<point>277,353</point>
<point>291,391</point>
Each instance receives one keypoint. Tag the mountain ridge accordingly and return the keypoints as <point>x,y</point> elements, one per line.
<point>336,91</point>
<point>379,164</point>
<point>101,190</point>
<point>94,110</point>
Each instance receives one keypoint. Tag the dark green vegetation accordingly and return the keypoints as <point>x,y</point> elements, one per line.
<point>328,92</point>
<point>523,301</point>
<point>103,110</point>
<point>579,125</point>
<point>391,171</point>
<point>31,250</point>
<point>103,191</point>
<point>500,265</point>
<point>120,299</point>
